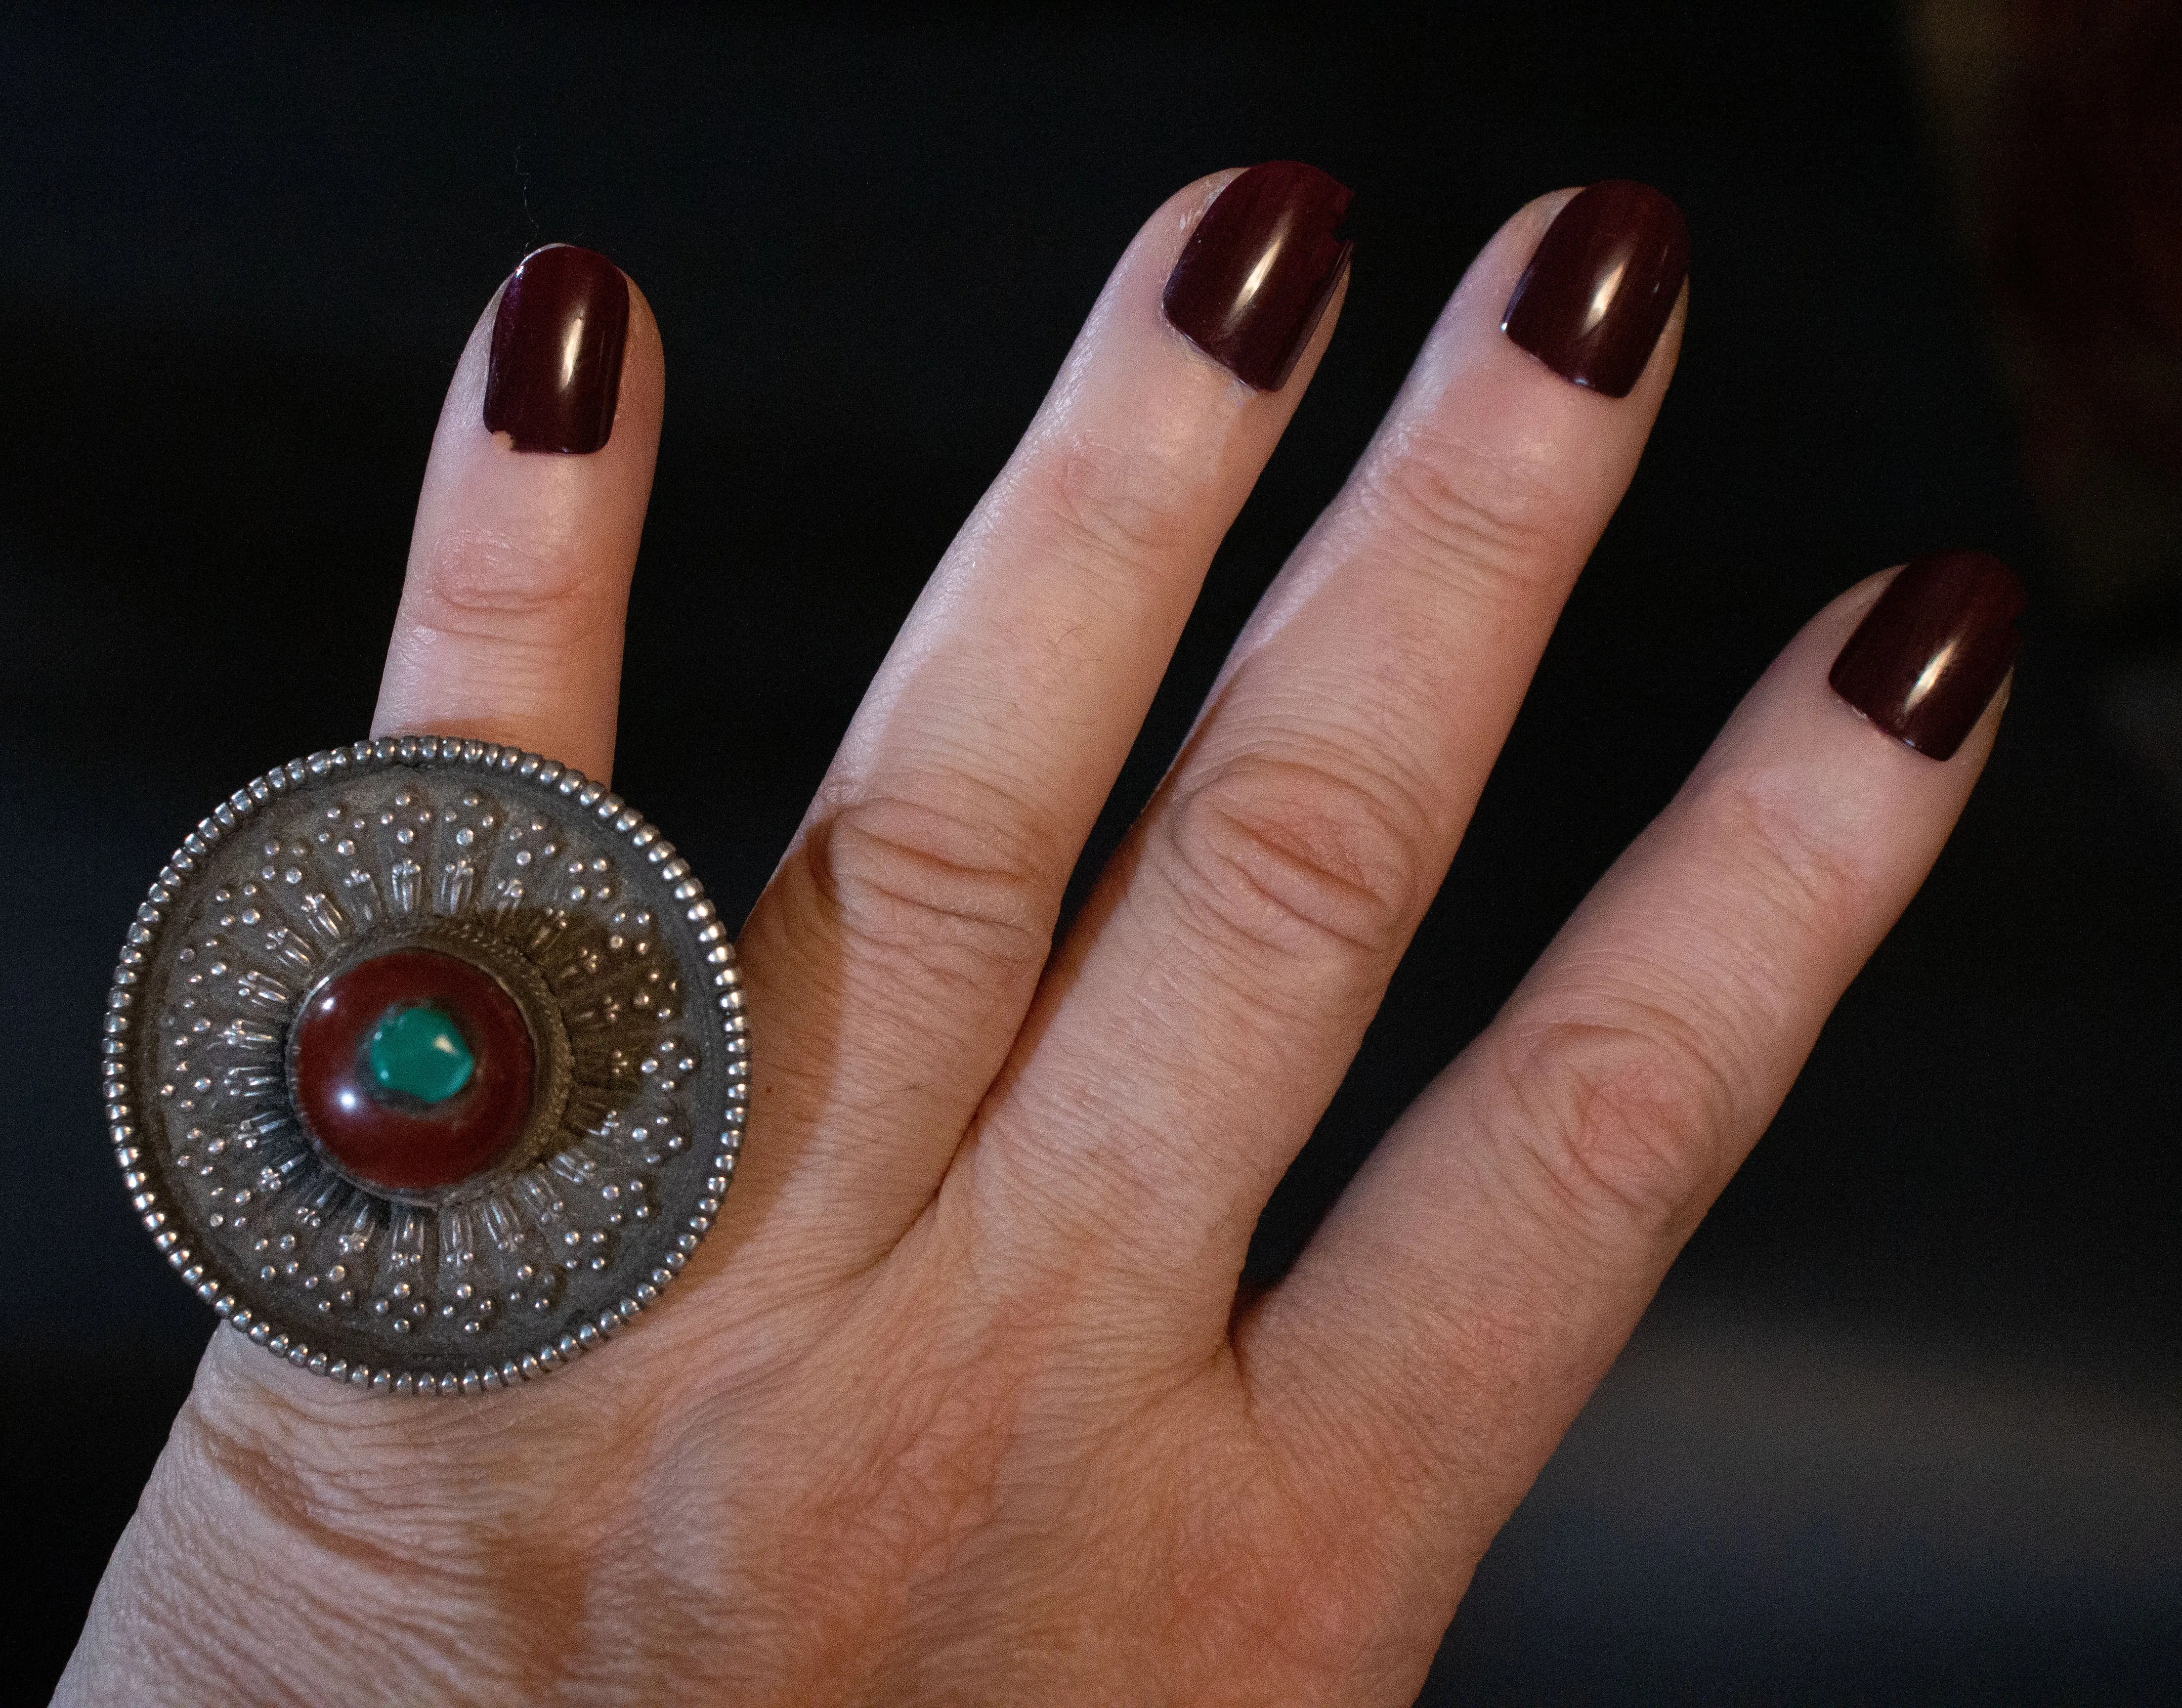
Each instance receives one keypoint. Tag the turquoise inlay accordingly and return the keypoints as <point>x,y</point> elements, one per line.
<point>418,1052</point>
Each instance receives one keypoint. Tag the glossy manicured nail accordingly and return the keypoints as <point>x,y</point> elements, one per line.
<point>556,348</point>
<point>1599,290</point>
<point>1257,273</point>
<point>1929,656</point>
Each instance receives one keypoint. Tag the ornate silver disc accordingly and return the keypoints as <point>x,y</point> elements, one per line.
<point>568,903</point>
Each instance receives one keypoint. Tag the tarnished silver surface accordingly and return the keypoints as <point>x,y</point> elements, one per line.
<point>608,943</point>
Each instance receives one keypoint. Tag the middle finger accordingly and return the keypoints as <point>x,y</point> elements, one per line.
<point>1224,971</point>
<point>891,959</point>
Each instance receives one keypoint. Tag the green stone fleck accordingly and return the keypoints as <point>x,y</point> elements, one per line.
<point>418,1052</point>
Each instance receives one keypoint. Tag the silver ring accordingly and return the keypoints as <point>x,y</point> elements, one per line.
<point>426,1063</point>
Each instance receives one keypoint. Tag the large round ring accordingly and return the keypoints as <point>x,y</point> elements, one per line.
<point>426,1063</point>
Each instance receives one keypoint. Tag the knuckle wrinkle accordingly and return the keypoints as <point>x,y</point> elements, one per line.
<point>1291,856</point>
<point>1626,1116</point>
<point>488,585</point>
<point>1122,507</point>
<point>1486,516</point>
<point>961,898</point>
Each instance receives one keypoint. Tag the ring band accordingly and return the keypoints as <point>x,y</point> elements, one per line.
<point>426,1063</point>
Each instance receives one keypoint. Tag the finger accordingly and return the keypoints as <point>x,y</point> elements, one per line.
<point>891,959</point>
<point>510,627</point>
<point>1233,957</point>
<point>1476,1279</point>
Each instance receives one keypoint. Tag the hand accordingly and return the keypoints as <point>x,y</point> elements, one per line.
<point>958,1403</point>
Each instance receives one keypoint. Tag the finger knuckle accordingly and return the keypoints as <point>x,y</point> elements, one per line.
<point>1464,509</point>
<point>956,894</point>
<point>1117,506</point>
<point>1625,1115</point>
<point>1787,861</point>
<point>491,586</point>
<point>1294,856</point>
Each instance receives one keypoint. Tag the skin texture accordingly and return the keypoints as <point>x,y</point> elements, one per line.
<point>956,1405</point>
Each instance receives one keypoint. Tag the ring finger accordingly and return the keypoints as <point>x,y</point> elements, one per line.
<point>510,627</point>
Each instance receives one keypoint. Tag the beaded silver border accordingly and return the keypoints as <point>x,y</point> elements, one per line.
<point>484,757</point>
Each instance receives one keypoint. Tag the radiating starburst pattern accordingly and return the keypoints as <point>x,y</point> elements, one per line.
<point>606,942</point>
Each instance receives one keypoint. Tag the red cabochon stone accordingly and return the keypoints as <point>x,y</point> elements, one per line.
<point>397,1144</point>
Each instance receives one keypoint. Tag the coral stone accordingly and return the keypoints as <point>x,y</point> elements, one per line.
<point>413,1070</point>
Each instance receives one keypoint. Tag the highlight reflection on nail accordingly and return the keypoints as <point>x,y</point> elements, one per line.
<point>1930,654</point>
<point>558,340</point>
<point>1599,288</point>
<point>1252,284</point>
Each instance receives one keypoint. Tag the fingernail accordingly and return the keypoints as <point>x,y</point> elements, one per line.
<point>1599,290</point>
<point>1257,273</point>
<point>1929,656</point>
<point>556,348</point>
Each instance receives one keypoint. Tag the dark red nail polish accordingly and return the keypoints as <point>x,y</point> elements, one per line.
<point>1598,293</point>
<point>556,348</point>
<point>1259,269</point>
<point>1929,656</point>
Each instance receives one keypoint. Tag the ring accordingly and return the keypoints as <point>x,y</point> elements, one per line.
<point>426,1063</point>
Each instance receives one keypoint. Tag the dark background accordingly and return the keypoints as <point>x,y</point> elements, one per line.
<point>1906,1423</point>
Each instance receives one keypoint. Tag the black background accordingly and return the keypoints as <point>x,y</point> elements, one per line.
<point>1905,1422</point>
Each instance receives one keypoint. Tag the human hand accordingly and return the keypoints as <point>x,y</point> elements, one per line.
<point>957,1402</point>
